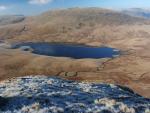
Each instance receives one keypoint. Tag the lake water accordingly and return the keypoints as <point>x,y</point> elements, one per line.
<point>67,50</point>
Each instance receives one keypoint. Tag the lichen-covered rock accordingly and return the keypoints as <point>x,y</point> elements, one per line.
<point>41,94</point>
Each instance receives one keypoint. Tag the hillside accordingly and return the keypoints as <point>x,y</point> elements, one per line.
<point>89,26</point>
<point>43,94</point>
<point>138,12</point>
<point>67,25</point>
<point>11,19</point>
<point>86,16</point>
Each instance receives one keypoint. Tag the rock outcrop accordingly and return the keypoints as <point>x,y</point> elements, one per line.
<point>43,94</point>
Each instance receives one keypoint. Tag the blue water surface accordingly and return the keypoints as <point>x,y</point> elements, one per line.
<point>68,50</point>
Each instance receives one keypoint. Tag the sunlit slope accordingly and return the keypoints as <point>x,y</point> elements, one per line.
<point>68,25</point>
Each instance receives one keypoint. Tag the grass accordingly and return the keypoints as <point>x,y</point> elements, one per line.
<point>96,27</point>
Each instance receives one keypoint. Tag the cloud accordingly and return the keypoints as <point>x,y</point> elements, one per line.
<point>2,7</point>
<point>39,1</point>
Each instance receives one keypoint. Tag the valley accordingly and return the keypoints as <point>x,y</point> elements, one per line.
<point>89,26</point>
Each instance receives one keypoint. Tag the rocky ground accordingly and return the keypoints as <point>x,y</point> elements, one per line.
<point>43,94</point>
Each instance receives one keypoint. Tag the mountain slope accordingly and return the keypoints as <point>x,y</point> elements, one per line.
<point>61,25</point>
<point>11,19</point>
<point>87,16</point>
<point>78,27</point>
<point>45,95</point>
<point>138,12</point>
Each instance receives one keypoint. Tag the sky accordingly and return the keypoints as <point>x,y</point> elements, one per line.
<point>33,7</point>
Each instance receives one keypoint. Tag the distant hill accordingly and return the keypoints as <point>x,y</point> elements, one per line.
<point>11,19</point>
<point>138,12</point>
<point>86,16</point>
<point>60,25</point>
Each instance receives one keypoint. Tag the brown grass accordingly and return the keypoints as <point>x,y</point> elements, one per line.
<point>94,27</point>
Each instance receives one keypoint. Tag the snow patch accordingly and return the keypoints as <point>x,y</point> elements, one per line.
<point>41,94</point>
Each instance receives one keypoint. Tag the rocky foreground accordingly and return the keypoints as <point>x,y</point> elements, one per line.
<point>43,94</point>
